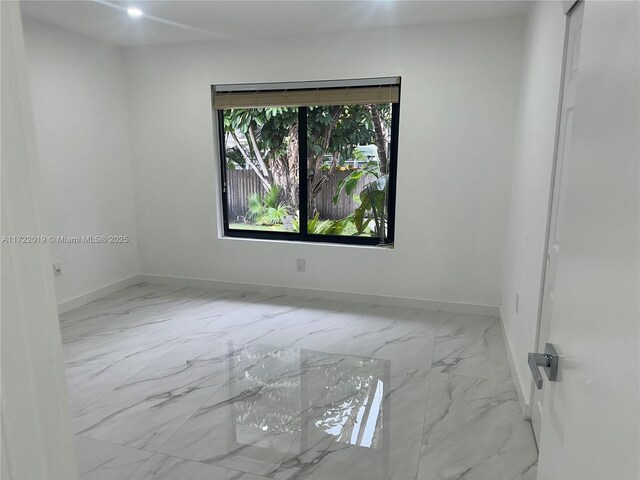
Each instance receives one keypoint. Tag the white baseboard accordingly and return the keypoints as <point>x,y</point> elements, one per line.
<point>96,294</point>
<point>524,404</point>
<point>453,307</point>
<point>367,298</point>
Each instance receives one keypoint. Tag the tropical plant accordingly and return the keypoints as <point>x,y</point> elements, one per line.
<point>267,210</point>
<point>324,227</point>
<point>334,133</point>
<point>265,140</point>
<point>372,197</point>
<point>373,206</point>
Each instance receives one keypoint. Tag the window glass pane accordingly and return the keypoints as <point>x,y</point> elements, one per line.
<point>348,153</point>
<point>261,161</point>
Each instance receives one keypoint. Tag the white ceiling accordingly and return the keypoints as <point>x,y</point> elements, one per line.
<point>191,21</point>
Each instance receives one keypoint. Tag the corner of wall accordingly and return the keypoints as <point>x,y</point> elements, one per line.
<point>525,405</point>
<point>91,178</point>
<point>80,300</point>
<point>131,132</point>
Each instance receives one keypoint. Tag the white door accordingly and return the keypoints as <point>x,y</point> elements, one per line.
<point>568,96</point>
<point>591,415</point>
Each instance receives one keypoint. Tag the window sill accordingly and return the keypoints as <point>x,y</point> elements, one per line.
<point>388,247</point>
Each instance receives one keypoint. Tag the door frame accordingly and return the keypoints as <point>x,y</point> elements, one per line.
<point>567,6</point>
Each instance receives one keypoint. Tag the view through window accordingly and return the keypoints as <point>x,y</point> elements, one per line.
<point>342,191</point>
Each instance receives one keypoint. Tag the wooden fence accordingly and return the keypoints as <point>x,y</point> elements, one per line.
<point>241,183</point>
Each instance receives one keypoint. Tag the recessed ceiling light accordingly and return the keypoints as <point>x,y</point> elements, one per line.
<point>134,12</point>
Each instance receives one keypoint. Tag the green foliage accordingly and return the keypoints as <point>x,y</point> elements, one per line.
<point>274,215</point>
<point>337,227</point>
<point>349,183</point>
<point>333,136</point>
<point>353,128</point>
<point>256,208</point>
<point>271,198</point>
<point>271,126</point>
<point>234,159</point>
<point>325,227</point>
<point>372,197</point>
<point>266,210</point>
<point>314,224</point>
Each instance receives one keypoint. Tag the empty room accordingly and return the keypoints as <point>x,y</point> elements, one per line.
<point>323,240</point>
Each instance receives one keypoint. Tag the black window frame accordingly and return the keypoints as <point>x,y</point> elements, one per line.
<point>303,235</point>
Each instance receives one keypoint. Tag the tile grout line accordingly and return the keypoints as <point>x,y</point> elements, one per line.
<point>112,443</point>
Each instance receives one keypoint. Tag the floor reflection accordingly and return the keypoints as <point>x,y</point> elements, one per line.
<point>306,403</point>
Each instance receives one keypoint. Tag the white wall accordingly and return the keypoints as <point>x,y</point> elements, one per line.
<point>532,169</point>
<point>461,83</point>
<point>82,130</point>
<point>36,428</point>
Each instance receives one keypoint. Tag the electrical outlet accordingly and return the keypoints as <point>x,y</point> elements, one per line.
<point>517,302</point>
<point>57,269</point>
<point>300,264</point>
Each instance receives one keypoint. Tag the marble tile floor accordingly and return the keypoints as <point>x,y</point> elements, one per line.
<point>184,383</point>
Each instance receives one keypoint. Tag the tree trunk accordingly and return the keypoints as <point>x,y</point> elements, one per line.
<point>257,153</point>
<point>249,162</point>
<point>318,177</point>
<point>293,155</point>
<point>381,139</point>
<point>285,170</point>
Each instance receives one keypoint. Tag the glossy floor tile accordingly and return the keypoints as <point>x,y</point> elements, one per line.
<point>472,430</point>
<point>477,351</point>
<point>185,383</point>
<point>99,460</point>
<point>164,467</point>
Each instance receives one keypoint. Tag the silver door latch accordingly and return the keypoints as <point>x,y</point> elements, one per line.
<point>547,360</point>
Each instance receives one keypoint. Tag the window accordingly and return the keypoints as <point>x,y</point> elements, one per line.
<point>312,161</point>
